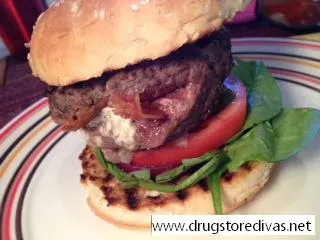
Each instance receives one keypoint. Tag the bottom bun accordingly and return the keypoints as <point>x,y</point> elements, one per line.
<point>134,207</point>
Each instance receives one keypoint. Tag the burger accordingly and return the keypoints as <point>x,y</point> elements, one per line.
<point>173,126</point>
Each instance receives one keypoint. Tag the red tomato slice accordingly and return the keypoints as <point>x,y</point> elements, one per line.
<point>215,133</point>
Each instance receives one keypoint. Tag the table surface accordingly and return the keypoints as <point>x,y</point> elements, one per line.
<point>21,89</point>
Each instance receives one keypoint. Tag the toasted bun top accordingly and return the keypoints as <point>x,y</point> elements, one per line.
<point>75,40</point>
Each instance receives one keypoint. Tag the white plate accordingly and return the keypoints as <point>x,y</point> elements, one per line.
<point>40,194</point>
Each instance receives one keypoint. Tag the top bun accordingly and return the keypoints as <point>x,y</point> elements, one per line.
<point>75,40</point>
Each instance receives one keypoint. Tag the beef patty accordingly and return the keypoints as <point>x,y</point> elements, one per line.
<point>157,100</point>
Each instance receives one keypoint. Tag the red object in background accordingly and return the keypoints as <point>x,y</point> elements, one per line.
<point>297,12</point>
<point>17,18</point>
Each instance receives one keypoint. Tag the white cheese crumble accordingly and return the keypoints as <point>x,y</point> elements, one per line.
<point>74,7</point>
<point>99,14</point>
<point>96,13</point>
<point>152,193</point>
<point>120,129</point>
<point>168,15</point>
<point>102,13</point>
<point>134,7</point>
<point>144,2</point>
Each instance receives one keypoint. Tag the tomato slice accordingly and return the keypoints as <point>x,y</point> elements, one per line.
<point>215,133</point>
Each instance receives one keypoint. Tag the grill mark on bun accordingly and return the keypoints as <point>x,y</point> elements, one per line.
<point>228,176</point>
<point>92,156</point>
<point>85,164</point>
<point>108,195</point>
<point>131,199</point>
<point>247,166</point>
<point>93,178</point>
<point>204,185</point>
<point>82,155</point>
<point>107,178</point>
<point>182,195</point>
<point>155,199</point>
<point>106,190</point>
<point>83,178</point>
<point>111,201</point>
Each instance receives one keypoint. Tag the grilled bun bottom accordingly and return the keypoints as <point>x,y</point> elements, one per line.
<point>134,207</point>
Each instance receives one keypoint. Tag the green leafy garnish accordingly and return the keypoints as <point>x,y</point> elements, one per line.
<point>191,162</point>
<point>129,180</point>
<point>130,184</point>
<point>172,174</point>
<point>217,161</point>
<point>197,176</point>
<point>142,174</point>
<point>214,181</point>
<point>264,95</point>
<point>114,169</point>
<point>294,129</point>
<point>256,144</point>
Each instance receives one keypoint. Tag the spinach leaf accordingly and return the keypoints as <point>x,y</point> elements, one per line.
<point>245,71</point>
<point>214,181</point>
<point>130,180</point>
<point>294,129</point>
<point>217,160</point>
<point>142,174</point>
<point>130,184</point>
<point>113,169</point>
<point>171,174</point>
<point>264,96</point>
<point>151,185</point>
<point>256,144</point>
<point>191,162</point>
